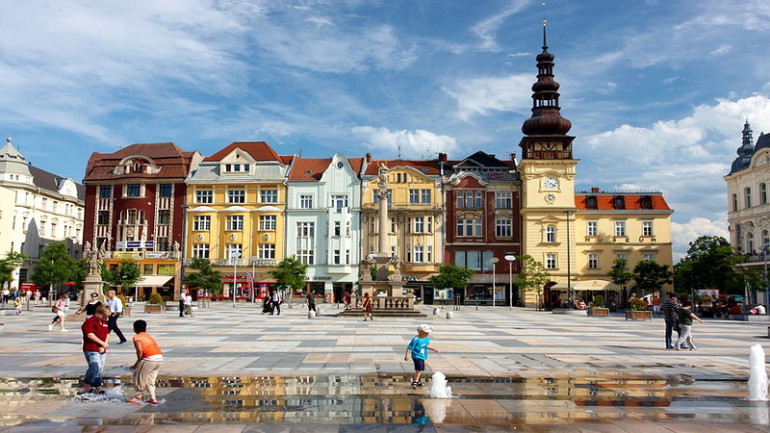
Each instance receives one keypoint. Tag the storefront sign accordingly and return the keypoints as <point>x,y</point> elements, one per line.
<point>157,255</point>
<point>127,254</point>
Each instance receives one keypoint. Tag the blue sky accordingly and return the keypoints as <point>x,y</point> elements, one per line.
<point>657,91</point>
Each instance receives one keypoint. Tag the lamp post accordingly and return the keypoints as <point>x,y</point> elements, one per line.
<point>569,263</point>
<point>510,258</point>
<point>494,261</point>
<point>235,255</point>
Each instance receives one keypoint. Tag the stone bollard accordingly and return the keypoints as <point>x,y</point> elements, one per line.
<point>311,314</point>
<point>435,311</point>
<point>319,310</point>
<point>449,314</point>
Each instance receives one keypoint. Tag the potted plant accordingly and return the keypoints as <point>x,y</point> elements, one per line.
<point>155,304</point>
<point>637,310</point>
<point>597,308</point>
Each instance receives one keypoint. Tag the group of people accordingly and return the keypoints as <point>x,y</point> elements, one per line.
<point>271,304</point>
<point>19,298</point>
<point>679,318</point>
<point>112,303</point>
<point>185,304</point>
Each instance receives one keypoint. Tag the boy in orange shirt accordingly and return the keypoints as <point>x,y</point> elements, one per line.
<point>148,360</point>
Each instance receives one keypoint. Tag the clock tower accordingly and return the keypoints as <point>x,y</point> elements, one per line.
<point>547,173</point>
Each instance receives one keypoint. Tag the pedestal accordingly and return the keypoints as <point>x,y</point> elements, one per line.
<point>92,284</point>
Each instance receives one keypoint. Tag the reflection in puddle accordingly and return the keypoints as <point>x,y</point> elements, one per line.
<point>385,400</point>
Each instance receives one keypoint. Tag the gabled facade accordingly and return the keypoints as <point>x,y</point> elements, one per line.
<point>134,208</point>
<point>323,222</point>
<point>236,214</point>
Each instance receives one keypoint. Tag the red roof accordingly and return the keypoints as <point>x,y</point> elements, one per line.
<point>259,150</point>
<point>174,163</point>
<point>309,168</point>
<point>430,167</point>
<point>631,201</point>
<point>356,164</point>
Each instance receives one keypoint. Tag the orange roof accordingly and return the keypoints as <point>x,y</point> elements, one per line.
<point>174,162</point>
<point>309,168</point>
<point>430,167</point>
<point>259,150</point>
<point>356,164</point>
<point>604,201</point>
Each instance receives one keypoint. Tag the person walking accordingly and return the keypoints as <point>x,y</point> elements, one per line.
<point>59,308</point>
<point>366,305</point>
<point>685,325</point>
<point>670,307</point>
<point>347,299</point>
<point>418,348</point>
<point>276,301</point>
<point>91,306</point>
<point>311,301</point>
<point>188,304</point>
<point>147,365</point>
<point>96,336</point>
<point>116,309</point>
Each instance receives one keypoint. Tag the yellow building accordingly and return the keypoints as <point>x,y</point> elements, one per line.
<point>235,214</point>
<point>416,212</point>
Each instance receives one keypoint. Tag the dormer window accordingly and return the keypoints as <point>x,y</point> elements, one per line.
<point>591,202</point>
<point>618,202</point>
<point>236,168</point>
<point>645,202</point>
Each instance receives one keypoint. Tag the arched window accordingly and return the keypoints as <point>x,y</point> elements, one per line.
<point>747,196</point>
<point>749,243</point>
<point>550,234</point>
<point>762,193</point>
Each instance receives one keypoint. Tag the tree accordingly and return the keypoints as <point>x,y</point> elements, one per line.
<point>9,264</point>
<point>709,264</point>
<point>650,276</point>
<point>207,278</point>
<point>290,272</point>
<point>451,277</point>
<point>55,266</point>
<point>127,274</point>
<point>533,276</point>
<point>619,274</point>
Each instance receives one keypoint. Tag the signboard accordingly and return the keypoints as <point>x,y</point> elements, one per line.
<point>148,245</point>
<point>126,254</point>
<point>157,254</point>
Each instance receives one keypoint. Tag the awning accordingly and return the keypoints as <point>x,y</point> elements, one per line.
<point>594,285</point>
<point>153,280</point>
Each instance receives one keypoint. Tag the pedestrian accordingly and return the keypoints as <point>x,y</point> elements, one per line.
<point>59,308</point>
<point>116,309</point>
<point>37,296</point>
<point>685,325</point>
<point>91,306</point>
<point>346,298</point>
<point>267,305</point>
<point>147,365</point>
<point>311,301</point>
<point>181,302</point>
<point>96,336</point>
<point>418,348</point>
<point>276,301</point>
<point>366,305</point>
<point>188,304</point>
<point>670,308</point>
<point>17,305</point>
<point>6,295</point>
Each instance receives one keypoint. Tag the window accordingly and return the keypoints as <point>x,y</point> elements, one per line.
<point>266,251</point>
<point>593,261</point>
<point>550,234</point>
<point>164,190</point>
<point>468,227</point>
<point>620,228</point>
<point>131,216</point>
<point>53,230</point>
<point>591,229</point>
<point>306,242</point>
<point>336,257</point>
<point>762,193</point>
<point>201,251</point>
<point>474,260</point>
<point>162,244</point>
<point>414,196</point>
<point>503,228</point>
<point>503,200</point>
<point>469,199</point>
<point>419,224</point>
<point>337,228</point>
<point>204,196</point>
<point>268,196</point>
<point>105,191</point>
<point>44,203</point>
<point>418,254</point>
<point>735,202</point>
<point>55,205</point>
<point>429,255</point>
<point>267,222</point>
<point>133,190</point>
<point>430,224</point>
<point>164,217</point>
<point>646,228</point>
<point>749,242</point>
<point>377,196</point>
<point>202,223</point>
<point>148,269</point>
<point>234,223</point>
<point>649,257</point>
<point>236,196</point>
<point>550,261</point>
<point>622,256</point>
<point>103,217</point>
<point>340,201</point>
<point>234,251</point>
<point>425,196</point>
<point>393,225</point>
<point>747,196</point>
<point>306,201</point>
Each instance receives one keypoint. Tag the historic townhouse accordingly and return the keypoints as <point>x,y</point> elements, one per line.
<point>236,214</point>
<point>36,207</point>
<point>134,208</point>
<point>482,221</point>
<point>416,211</point>
<point>323,222</point>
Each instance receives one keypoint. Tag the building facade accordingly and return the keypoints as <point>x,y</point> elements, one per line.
<point>135,201</point>
<point>236,215</point>
<point>36,207</point>
<point>323,219</point>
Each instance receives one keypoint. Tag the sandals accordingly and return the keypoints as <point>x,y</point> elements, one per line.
<point>134,400</point>
<point>153,402</point>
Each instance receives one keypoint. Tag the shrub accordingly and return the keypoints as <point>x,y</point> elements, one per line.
<point>155,299</point>
<point>637,304</point>
<point>598,302</point>
<point>122,299</point>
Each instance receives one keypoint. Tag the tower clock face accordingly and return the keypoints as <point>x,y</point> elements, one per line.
<point>550,183</point>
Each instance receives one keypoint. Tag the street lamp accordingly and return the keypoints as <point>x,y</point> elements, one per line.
<point>235,255</point>
<point>510,258</point>
<point>494,261</point>
<point>569,263</point>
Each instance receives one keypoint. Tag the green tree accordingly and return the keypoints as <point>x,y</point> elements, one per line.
<point>533,277</point>
<point>451,277</point>
<point>9,264</point>
<point>290,272</point>
<point>54,268</point>
<point>709,264</point>
<point>650,276</point>
<point>79,273</point>
<point>619,273</point>
<point>127,274</point>
<point>207,278</point>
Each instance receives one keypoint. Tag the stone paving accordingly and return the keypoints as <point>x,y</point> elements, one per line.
<point>519,370</point>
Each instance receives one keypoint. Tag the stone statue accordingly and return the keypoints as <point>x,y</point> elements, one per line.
<point>90,255</point>
<point>100,258</point>
<point>397,265</point>
<point>176,247</point>
<point>366,268</point>
<point>382,173</point>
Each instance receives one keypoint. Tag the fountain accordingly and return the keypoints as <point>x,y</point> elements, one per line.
<point>758,377</point>
<point>438,388</point>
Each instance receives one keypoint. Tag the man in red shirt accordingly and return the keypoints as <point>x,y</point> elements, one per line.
<point>96,334</point>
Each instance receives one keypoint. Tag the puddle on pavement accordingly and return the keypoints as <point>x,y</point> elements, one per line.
<point>384,399</point>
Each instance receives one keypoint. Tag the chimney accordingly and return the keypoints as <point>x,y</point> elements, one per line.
<point>442,156</point>
<point>594,189</point>
<point>368,157</point>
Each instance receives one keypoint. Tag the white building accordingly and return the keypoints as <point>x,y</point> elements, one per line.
<point>36,207</point>
<point>323,222</point>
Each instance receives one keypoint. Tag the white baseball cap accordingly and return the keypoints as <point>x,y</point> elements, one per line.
<point>425,328</point>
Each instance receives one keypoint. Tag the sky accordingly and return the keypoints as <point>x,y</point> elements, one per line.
<point>657,91</point>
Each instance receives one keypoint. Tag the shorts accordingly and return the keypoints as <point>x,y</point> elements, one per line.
<point>419,364</point>
<point>60,313</point>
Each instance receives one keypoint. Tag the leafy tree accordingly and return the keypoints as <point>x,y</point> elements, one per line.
<point>55,266</point>
<point>290,272</point>
<point>207,278</point>
<point>619,273</point>
<point>533,276</point>
<point>9,264</point>
<point>79,273</point>
<point>451,277</point>
<point>710,264</point>
<point>650,276</point>
<point>127,274</point>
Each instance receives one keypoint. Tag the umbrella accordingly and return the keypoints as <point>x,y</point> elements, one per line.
<point>69,283</point>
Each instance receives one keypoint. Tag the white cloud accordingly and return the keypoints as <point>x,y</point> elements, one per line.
<point>418,144</point>
<point>669,80</point>
<point>486,29</point>
<point>721,50</point>
<point>484,95</point>
<point>684,233</point>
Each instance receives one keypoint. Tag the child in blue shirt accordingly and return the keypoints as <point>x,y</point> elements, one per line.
<point>419,347</point>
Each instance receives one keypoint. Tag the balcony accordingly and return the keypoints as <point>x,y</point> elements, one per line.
<point>253,261</point>
<point>139,255</point>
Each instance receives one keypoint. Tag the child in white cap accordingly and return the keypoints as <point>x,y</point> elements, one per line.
<point>419,347</point>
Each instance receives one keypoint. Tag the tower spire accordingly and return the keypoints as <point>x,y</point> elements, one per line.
<point>545,44</point>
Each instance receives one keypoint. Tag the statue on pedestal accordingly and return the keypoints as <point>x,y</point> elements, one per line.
<point>366,268</point>
<point>382,174</point>
<point>397,264</point>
